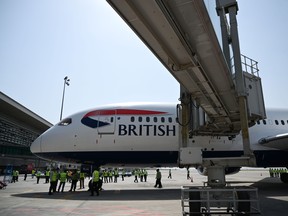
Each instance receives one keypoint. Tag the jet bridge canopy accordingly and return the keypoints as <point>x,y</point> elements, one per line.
<point>181,36</point>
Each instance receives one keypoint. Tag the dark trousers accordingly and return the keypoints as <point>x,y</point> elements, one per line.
<point>95,187</point>
<point>158,183</point>
<point>52,188</point>
<point>81,183</point>
<point>63,185</point>
<point>73,185</point>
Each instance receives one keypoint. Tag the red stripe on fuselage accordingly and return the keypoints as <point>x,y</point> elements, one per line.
<point>123,112</point>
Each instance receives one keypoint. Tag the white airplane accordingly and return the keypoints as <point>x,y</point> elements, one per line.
<point>147,134</point>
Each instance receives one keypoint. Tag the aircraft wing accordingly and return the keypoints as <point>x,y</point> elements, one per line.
<point>182,37</point>
<point>278,141</point>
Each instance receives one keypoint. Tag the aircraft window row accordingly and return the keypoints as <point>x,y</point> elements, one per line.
<point>151,119</point>
<point>269,121</point>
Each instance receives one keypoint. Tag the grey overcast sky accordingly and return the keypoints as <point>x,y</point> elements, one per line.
<point>41,42</point>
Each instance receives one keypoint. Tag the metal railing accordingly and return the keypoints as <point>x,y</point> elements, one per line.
<point>248,65</point>
<point>224,201</point>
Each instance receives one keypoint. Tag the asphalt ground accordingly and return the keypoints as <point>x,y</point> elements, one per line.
<point>27,198</point>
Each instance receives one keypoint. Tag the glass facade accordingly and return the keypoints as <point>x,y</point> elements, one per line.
<point>15,140</point>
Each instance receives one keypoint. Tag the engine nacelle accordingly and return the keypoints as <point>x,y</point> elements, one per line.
<point>228,170</point>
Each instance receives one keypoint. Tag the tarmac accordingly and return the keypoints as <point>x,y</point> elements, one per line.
<point>125,198</point>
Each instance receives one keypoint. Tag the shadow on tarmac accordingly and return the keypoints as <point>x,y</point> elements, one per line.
<point>106,195</point>
<point>272,196</point>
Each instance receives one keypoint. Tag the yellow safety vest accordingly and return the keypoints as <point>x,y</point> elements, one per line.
<point>62,176</point>
<point>54,176</point>
<point>95,176</point>
<point>82,175</point>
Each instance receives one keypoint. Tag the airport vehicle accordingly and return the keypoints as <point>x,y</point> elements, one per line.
<point>147,135</point>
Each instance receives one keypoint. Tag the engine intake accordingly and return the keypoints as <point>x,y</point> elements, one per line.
<point>228,170</point>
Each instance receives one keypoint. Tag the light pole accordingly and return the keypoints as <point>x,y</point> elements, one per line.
<point>66,82</point>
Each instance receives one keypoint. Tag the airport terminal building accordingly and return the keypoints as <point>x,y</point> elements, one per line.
<point>19,127</point>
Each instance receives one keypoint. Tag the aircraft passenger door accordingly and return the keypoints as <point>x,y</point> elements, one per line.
<point>107,123</point>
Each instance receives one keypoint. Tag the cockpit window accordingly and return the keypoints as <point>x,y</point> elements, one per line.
<point>65,122</point>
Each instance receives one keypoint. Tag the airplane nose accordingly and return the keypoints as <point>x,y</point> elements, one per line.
<point>36,145</point>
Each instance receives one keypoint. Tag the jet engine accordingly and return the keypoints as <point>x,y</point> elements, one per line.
<point>228,170</point>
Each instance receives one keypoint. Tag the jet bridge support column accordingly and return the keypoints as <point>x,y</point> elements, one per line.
<point>188,155</point>
<point>184,117</point>
<point>231,36</point>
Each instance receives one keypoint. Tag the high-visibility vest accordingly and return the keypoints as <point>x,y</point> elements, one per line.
<point>62,176</point>
<point>54,176</point>
<point>95,176</point>
<point>82,175</point>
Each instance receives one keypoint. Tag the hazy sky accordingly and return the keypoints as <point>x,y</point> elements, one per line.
<point>41,42</point>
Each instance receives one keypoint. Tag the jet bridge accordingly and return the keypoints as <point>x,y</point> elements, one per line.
<point>181,36</point>
<point>217,97</point>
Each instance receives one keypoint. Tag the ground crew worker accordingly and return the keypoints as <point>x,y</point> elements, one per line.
<point>25,175</point>
<point>110,174</point>
<point>38,174</point>
<point>116,174</point>
<point>33,173</point>
<point>145,175</point>
<point>82,177</point>
<point>158,179</point>
<point>105,175</point>
<point>95,182</point>
<point>62,178</point>
<point>47,175</point>
<point>170,174</point>
<point>68,173</point>
<point>123,174</point>
<point>75,178</point>
<point>17,175</point>
<point>14,174</point>
<point>141,174</point>
<point>136,176</point>
<point>53,181</point>
<point>188,173</point>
